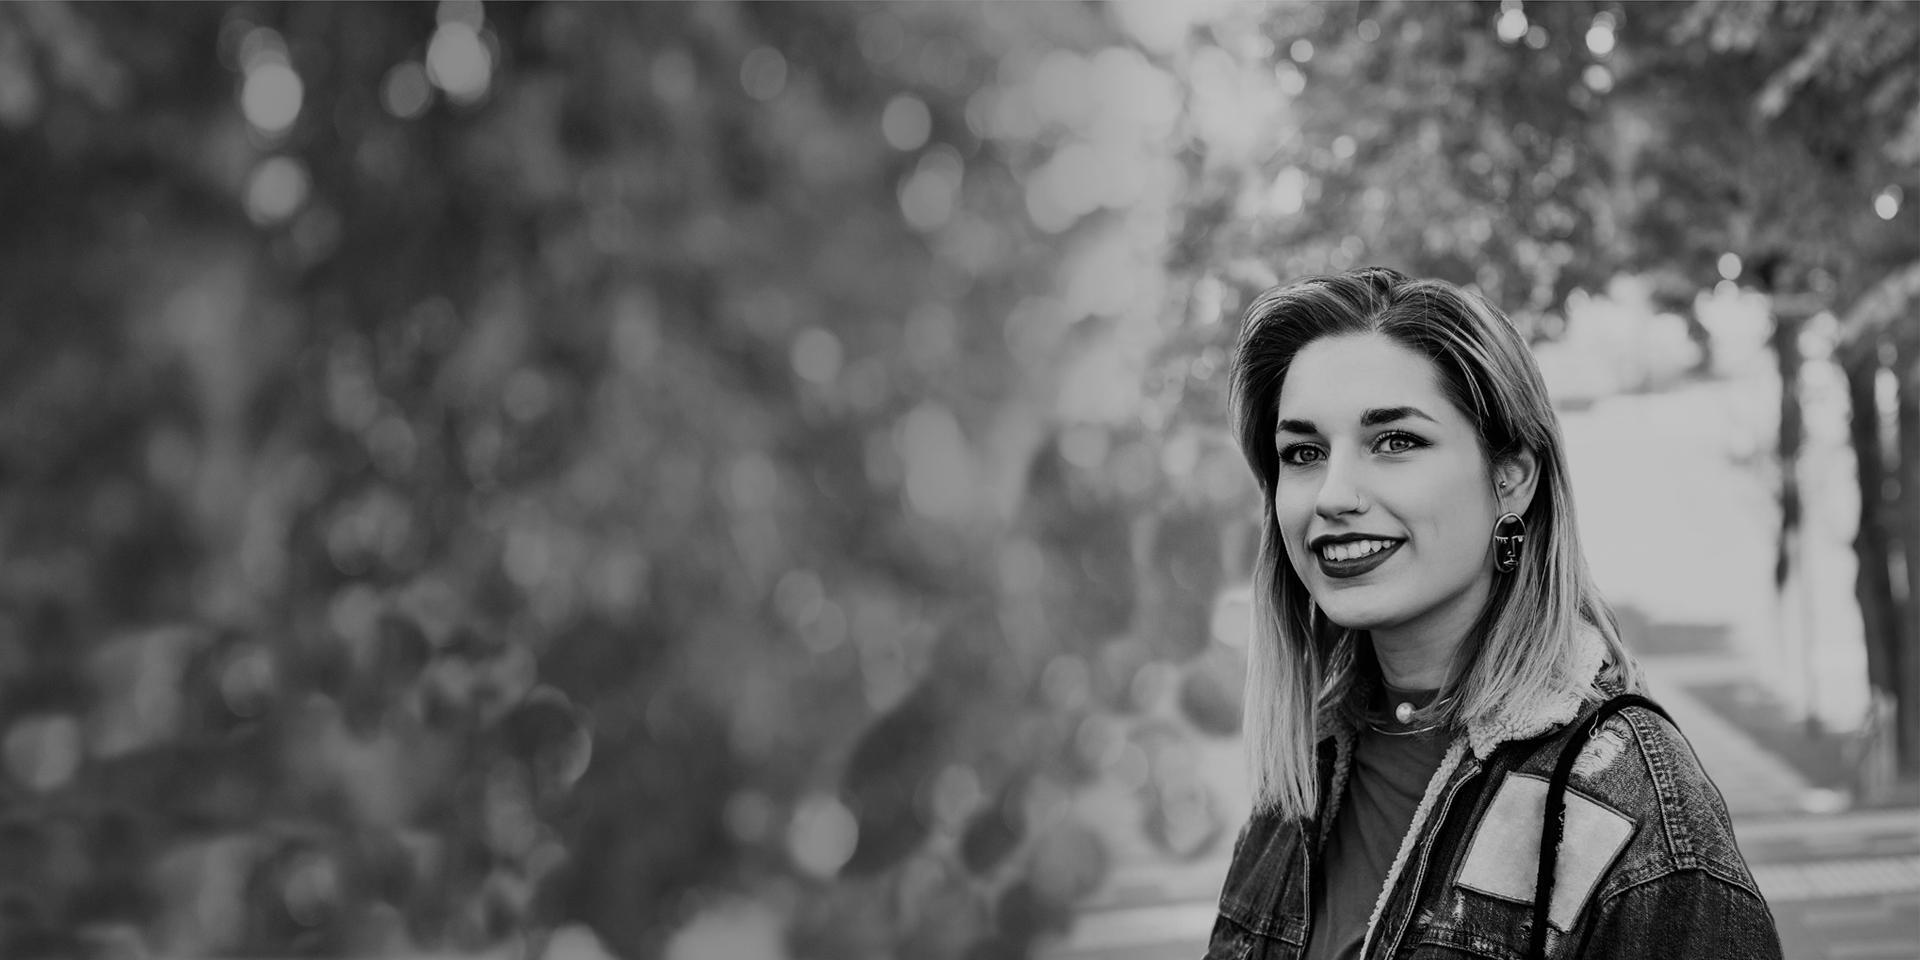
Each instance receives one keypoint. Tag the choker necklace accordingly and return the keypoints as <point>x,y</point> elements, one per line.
<point>1402,713</point>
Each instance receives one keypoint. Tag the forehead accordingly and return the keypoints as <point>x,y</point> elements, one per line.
<point>1335,379</point>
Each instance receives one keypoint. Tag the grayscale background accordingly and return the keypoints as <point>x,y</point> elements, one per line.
<point>752,482</point>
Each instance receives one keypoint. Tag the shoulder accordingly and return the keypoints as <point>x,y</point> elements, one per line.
<point>1262,869</point>
<point>1638,765</point>
<point>1261,853</point>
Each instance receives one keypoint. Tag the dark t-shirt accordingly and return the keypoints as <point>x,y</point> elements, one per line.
<point>1384,786</point>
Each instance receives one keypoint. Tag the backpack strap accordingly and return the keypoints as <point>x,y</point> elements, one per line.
<point>1553,822</point>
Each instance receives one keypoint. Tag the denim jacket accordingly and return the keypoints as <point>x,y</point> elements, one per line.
<point>1648,866</point>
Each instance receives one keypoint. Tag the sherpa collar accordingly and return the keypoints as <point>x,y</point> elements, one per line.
<point>1574,690</point>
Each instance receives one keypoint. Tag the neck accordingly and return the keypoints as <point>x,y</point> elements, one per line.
<point>1414,666</point>
<point>1419,655</point>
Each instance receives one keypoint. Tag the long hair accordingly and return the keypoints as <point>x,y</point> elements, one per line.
<point>1302,669</point>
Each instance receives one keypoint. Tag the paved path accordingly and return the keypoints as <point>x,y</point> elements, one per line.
<point>1844,886</point>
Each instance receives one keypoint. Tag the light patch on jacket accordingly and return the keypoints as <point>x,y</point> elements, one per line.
<point>1601,751</point>
<point>1504,858</point>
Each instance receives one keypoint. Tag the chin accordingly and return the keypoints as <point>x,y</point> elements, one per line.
<point>1358,617</point>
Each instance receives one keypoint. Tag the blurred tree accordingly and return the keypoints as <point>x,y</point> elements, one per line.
<point>1786,135</point>
<point>577,445</point>
<point>1423,136</point>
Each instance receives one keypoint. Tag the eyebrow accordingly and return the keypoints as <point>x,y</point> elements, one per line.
<point>1373,417</point>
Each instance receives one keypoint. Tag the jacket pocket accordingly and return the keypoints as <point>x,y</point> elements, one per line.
<point>1234,940</point>
<point>1467,923</point>
<point>1458,943</point>
<point>1230,941</point>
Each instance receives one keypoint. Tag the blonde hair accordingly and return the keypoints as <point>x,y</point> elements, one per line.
<point>1301,668</point>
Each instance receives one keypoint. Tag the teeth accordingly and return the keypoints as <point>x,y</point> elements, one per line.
<point>1353,550</point>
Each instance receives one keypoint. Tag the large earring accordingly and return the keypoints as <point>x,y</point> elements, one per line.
<point>1506,546</point>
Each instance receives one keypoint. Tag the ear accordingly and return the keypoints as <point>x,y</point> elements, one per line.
<point>1515,477</point>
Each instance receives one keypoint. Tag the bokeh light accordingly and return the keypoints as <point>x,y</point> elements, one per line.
<point>1288,194</point>
<point>1511,25</point>
<point>277,190</point>
<point>1600,38</point>
<point>271,95</point>
<point>1886,203</point>
<point>822,835</point>
<point>817,355</point>
<point>763,74</point>
<point>459,63</point>
<point>44,751</point>
<point>928,194</point>
<point>406,92</point>
<point>1232,618</point>
<point>906,123</point>
<point>939,467</point>
<point>731,930</point>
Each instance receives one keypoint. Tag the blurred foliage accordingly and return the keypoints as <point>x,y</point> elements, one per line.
<point>1532,150</point>
<point>475,471</point>
<point>441,513</point>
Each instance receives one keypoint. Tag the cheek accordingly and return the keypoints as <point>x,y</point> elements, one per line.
<point>1455,517</point>
<point>1291,509</point>
<point>1291,512</point>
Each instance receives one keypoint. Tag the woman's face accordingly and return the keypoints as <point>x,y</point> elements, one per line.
<point>1383,495</point>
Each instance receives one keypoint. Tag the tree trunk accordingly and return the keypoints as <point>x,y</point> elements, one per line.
<point>1883,622</point>
<point>1907,512</point>
<point>1873,576</point>
<point>1889,592</point>
<point>1786,351</point>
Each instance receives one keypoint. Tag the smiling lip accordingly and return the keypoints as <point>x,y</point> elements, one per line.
<point>1342,569</point>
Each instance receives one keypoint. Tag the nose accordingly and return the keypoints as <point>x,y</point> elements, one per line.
<point>1339,489</point>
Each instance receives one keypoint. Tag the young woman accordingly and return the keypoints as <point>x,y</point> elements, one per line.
<point>1426,633</point>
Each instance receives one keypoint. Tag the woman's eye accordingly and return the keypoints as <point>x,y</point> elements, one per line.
<point>1398,442</point>
<point>1300,453</point>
